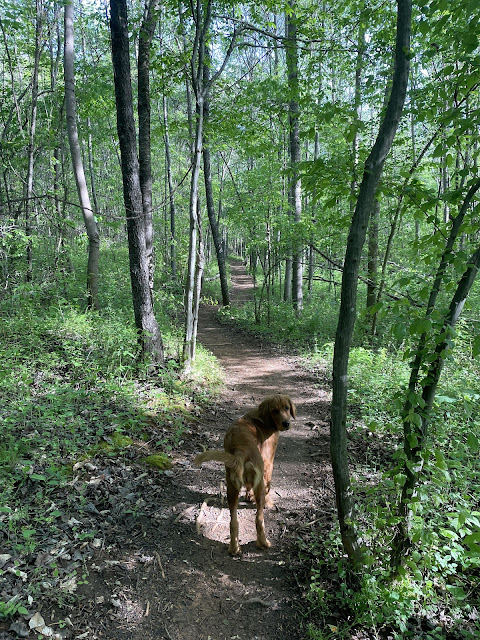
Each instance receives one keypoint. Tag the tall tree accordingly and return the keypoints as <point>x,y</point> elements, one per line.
<point>147,29</point>
<point>201,86</point>
<point>295,185</point>
<point>148,330</point>
<point>77,164</point>
<point>356,239</point>
<point>168,168</point>
<point>207,176</point>
<point>39,18</point>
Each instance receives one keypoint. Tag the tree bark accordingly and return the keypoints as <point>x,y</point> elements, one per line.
<point>147,29</point>
<point>357,103</point>
<point>171,193</point>
<point>346,321</point>
<point>31,137</point>
<point>372,264</point>
<point>149,335</point>
<point>194,276</point>
<point>207,175</point>
<point>77,164</point>
<point>202,18</point>
<point>295,187</point>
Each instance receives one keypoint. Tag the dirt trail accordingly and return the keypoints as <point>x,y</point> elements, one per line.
<point>169,575</point>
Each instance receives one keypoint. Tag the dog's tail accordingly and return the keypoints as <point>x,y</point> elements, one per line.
<point>220,456</point>
<point>241,474</point>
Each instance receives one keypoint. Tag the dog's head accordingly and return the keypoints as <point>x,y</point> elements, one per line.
<point>279,409</point>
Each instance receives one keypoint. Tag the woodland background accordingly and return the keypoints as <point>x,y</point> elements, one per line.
<point>254,125</point>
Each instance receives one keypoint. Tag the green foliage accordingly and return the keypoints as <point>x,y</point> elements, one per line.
<point>310,330</point>
<point>71,392</point>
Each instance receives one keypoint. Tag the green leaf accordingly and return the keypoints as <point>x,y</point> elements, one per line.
<point>37,476</point>
<point>420,326</point>
<point>440,460</point>
<point>472,541</point>
<point>457,592</point>
<point>399,330</point>
<point>472,442</point>
<point>476,347</point>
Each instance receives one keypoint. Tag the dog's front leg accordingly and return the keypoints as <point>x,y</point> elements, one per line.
<point>232,498</point>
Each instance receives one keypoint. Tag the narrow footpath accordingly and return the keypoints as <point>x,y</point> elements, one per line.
<point>165,574</point>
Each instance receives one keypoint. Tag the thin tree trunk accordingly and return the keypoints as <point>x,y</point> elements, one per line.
<point>295,187</point>
<point>201,87</point>
<point>191,294</point>
<point>207,174</point>
<point>202,23</point>
<point>31,137</point>
<point>77,164</point>
<point>171,193</point>
<point>147,29</point>
<point>356,239</point>
<point>357,102</point>
<point>91,163</point>
<point>149,335</point>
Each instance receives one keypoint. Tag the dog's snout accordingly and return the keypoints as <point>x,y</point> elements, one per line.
<point>286,424</point>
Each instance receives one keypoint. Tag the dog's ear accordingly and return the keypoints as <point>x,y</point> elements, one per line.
<point>266,407</point>
<point>293,409</point>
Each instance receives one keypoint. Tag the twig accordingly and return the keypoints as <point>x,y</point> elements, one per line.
<point>159,560</point>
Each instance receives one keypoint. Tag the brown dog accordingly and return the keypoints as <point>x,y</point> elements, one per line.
<point>250,445</point>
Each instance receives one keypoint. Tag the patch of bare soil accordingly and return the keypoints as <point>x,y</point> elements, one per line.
<point>167,574</point>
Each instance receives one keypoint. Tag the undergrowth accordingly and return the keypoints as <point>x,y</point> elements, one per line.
<point>71,390</point>
<point>437,593</point>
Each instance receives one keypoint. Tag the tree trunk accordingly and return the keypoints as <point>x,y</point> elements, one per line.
<point>372,264</point>
<point>357,103</point>
<point>147,29</point>
<point>31,137</point>
<point>346,321</point>
<point>295,187</point>
<point>207,174</point>
<point>171,193</point>
<point>192,295</point>
<point>77,164</point>
<point>201,87</point>
<point>149,335</point>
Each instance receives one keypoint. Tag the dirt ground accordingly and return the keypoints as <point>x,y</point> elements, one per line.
<point>166,573</point>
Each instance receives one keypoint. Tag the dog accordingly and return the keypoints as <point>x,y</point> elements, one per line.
<point>249,450</point>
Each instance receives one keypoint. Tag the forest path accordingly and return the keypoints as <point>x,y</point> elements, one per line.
<point>170,573</point>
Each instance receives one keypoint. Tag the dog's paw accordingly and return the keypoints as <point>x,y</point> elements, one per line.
<point>269,502</point>
<point>264,543</point>
<point>249,497</point>
<point>234,550</point>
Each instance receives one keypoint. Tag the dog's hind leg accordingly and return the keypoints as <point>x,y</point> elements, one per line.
<point>262,541</point>
<point>232,498</point>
